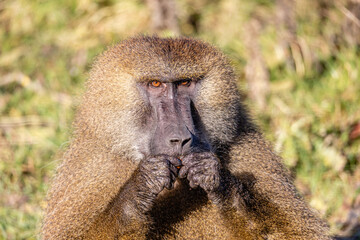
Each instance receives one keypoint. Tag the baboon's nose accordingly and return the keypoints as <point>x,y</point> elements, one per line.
<point>180,143</point>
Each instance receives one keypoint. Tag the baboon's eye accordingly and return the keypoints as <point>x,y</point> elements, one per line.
<point>185,82</point>
<point>155,83</point>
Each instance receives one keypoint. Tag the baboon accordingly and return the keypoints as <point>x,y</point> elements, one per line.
<point>163,148</point>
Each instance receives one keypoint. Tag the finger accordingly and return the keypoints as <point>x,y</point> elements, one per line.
<point>196,179</point>
<point>183,172</point>
<point>193,184</point>
<point>195,170</point>
<point>195,157</point>
<point>174,161</point>
<point>207,187</point>
<point>173,169</point>
<point>173,176</point>
<point>188,160</point>
<point>169,185</point>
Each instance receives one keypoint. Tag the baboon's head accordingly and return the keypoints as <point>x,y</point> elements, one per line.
<point>149,96</point>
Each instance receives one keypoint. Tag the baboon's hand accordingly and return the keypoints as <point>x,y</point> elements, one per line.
<point>157,173</point>
<point>201,169</point>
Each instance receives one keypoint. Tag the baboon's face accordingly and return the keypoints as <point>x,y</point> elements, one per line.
<point>150,96</point>
<point>173,122</point>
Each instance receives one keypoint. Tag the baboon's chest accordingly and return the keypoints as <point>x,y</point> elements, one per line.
<point>185,213</point>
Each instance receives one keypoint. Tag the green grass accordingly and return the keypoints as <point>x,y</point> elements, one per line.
<point>46,50</point>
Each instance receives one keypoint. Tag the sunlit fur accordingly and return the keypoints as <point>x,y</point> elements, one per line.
<point>110,139</point>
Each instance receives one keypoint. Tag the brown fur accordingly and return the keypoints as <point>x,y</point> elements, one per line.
<point>90,195</point>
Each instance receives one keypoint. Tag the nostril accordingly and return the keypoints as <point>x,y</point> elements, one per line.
<point>174,141</point>
<point>185,142</point>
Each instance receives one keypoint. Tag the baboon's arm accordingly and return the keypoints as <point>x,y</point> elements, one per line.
<point>258,194</point>
<point>88,182</point>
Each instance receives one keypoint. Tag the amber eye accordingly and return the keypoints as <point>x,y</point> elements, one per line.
<point>155,83</point>
<point>185,82</point>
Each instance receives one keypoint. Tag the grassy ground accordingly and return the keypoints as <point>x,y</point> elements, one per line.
<point>46,49</point>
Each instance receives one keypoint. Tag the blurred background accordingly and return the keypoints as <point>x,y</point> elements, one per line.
<point>297,61</point>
